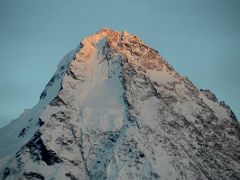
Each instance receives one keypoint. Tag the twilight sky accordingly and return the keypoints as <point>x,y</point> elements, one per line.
<point>200,39</point>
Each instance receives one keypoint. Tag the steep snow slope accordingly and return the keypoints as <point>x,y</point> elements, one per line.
<point>19,131</point>
<point>115,109</point>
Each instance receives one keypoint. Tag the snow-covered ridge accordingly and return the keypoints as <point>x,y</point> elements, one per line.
<point>19,131</point>
<point>115,109</point>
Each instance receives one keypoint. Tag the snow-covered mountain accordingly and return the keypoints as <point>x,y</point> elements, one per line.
<point>115,109</point>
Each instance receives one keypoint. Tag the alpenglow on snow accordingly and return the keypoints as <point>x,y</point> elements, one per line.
<point>115,109</point>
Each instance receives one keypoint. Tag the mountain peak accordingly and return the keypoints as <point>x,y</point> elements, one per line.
<point>114,36</point>
<point>115,109</point>
<point>111,33</point>
<point>129,46</point>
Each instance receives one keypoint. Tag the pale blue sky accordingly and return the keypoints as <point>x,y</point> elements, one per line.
<point>201,39</point>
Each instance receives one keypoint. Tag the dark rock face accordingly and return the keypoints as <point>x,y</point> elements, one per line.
<point>32,175</point>
<point>40,122</point>
<point>209,94</point>
<point>38,151</point>
<point>23,131</point>
<point>6,173</point>
<point>57,101</point>
<point>69,175</point>
<point>155,125</point>
<point>43,94</point>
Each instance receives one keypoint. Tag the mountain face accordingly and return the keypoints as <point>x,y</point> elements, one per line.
<point>115,109</point>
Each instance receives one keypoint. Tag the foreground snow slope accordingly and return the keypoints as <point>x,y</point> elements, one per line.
<point>115,109</point>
